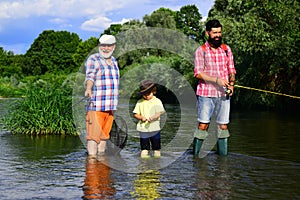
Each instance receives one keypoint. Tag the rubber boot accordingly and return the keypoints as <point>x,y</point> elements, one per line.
<point>222,147</point>
<point>197,146</point>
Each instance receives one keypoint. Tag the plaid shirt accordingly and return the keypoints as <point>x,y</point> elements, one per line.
<point>213,63</point>
<point>106,83</point>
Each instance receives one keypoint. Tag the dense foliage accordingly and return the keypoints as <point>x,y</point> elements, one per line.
<point>45,109</point>
<point>264,36</point>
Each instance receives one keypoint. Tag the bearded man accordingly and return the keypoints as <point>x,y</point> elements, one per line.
<point>214,68</point>
<point>102,89</point>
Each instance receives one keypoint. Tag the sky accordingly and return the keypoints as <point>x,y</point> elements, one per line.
<point>21,21</point>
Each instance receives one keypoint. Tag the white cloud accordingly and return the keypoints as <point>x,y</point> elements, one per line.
<point>100,23</point>
<point>96,24</point>
<point>80,16</point>
<point>60,8</point>
<point>122,21</point>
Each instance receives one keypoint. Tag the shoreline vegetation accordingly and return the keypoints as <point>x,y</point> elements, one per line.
<point>264,59</point>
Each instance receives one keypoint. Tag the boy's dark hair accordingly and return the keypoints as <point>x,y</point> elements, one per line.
<point>214,23</point>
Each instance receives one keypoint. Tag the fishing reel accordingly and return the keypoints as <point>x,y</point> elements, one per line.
<point>227,91</point>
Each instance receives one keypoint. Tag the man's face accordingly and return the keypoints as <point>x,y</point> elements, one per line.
<point>215,37</point>
<point>106,50</point>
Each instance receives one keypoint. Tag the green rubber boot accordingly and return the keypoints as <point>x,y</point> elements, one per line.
<point>222,147</point>
<point>197,146</point>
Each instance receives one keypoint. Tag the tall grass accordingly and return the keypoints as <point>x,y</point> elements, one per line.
<point>45,110</point>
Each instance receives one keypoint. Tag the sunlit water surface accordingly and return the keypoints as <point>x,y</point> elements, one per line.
<point>263,163</point>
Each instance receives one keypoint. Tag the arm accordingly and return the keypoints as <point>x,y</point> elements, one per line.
<point>199,63</point>
<point>231,83</point>
<point>140,117</point>
<point>231,70</point>
<point>155,117</point>
<point>212,79</point>
<point>88,90</point>
<point>90,76</point>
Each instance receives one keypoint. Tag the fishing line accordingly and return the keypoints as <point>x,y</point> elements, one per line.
<point>267,91</point>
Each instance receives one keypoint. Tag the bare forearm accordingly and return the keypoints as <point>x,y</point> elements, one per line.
<point>89,84</point>
<point>88,88</point>
<point>140,117</point>
<point>231,79</point>
<point>156,116</point>
<point>212,79</point>
<point>206,77</point>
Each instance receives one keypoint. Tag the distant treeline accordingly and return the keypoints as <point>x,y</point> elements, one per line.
<point>263,35</point>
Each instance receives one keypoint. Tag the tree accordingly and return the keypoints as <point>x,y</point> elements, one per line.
<point>114,29</point>
<point>52,52</point>
<point>188,19</point>
<point>264,36</point>
<point>83,50</point>
<point>10,64</point>
<point>162,18</point>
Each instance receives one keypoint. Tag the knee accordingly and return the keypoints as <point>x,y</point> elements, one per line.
<point>203,127</point>
<point>223,126</point>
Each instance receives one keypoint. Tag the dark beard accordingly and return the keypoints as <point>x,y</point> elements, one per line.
<point>215,43</point>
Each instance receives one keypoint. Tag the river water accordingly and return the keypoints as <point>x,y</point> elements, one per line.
<point>263,163</point>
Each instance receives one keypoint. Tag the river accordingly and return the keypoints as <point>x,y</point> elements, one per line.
<point>263,163</point>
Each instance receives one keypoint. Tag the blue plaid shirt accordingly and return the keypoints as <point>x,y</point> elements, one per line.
<point>106,83</point>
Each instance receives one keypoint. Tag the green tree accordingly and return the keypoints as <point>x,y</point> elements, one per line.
<point>10,64</point>
<point>264,36</point>
<point>84,49</point>
<point>162,18</point>
<point>114,29</point>
<point>52,52</point>
<point>188,19</point>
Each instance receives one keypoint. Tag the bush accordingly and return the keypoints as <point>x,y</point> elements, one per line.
<point>43,110</point>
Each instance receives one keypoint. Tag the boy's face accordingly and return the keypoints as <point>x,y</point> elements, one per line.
<point>148,96</point>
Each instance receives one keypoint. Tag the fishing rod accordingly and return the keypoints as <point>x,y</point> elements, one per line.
<point>267,91</point>
<point>88,102</point>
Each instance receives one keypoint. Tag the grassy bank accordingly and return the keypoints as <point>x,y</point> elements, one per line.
<point>41,110</point>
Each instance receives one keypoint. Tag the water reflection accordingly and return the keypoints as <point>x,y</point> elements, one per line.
<point>98,183</point>
<point>147,185</point>
<point>263,163</point>
<point>212,178</point>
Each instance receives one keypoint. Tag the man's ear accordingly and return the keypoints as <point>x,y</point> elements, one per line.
<point>207,33</point>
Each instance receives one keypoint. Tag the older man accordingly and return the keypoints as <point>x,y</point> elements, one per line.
<point>102,87</point>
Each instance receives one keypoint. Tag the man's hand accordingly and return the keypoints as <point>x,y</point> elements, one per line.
<point>88,93</point>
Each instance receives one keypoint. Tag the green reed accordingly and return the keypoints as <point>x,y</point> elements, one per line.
<point>45,110</point>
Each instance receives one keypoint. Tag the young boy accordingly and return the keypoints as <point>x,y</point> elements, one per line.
<point>148,110</point>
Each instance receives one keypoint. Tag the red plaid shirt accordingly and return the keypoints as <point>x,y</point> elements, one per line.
<point>213,63</point>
